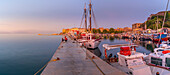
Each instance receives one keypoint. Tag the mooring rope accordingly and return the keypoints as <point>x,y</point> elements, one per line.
<point>45,66</point>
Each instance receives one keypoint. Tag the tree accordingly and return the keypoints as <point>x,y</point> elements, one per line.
<point>105,31</point>
<point>94,30</point>
<point>98,30</point>
<point>111,30</point>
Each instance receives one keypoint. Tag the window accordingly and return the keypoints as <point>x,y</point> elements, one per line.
<point>160,50</point>
<point>156,61</point>
<point>167,62</point>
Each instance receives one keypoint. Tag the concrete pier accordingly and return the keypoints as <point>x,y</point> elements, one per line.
<point>73,61</point>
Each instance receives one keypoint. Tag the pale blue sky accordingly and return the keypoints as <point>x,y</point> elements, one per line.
<point>51,16</point>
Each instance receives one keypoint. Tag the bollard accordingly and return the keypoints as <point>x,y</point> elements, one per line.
<point>93,57</point>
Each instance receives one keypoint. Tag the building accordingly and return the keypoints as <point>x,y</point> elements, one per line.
<point>119,29</point>
<point>127,29</point>
<point>107,29</point>
<point>136,26</point>
<point>101,29</point>
<point>65,30</point>
<point>82,30</point>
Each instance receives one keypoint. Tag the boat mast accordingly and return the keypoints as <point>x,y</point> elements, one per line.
<point>90,5</point>
<point>165,14</point>
<point>157,23</point>
<point>164,20</point>
<point>85,15</point>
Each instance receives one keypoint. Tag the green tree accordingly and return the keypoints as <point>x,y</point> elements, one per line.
<point>94,30</point>
<point>111,30</point>
<point>105,31</point>
<point>152,23</point>
<point>98,31</point>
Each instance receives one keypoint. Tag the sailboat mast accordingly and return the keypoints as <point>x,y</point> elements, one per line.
<point>164,20</point>
<point>157,23</point>
<point>90,5</point>
<point>85,17</point>
<point>165,14</point>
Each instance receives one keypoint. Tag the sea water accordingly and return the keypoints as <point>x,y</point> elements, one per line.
<point>25,54</point>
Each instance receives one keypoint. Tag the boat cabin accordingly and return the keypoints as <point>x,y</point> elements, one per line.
<point>129,57</point>
<point>160,58</point>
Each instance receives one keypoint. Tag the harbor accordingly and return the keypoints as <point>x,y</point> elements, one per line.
<point>84,37</point>
<point>125,60</point>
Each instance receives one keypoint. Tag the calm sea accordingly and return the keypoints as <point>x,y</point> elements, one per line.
<point>25,54</point>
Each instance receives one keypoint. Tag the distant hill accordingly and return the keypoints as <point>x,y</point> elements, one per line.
<point>152,20</point>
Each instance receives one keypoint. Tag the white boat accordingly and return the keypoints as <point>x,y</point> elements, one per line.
<point>159,61</point>
<point>83,39</point>
<point>91,43</point>
<point>129,61</point>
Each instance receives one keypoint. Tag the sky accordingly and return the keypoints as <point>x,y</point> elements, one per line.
<point>51,16</point>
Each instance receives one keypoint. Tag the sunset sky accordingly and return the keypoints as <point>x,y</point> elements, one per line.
<point>51,16</point>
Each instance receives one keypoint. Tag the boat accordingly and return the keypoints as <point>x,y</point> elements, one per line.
<point>91,43</point>
<point>82,39</point>
<point>125,36</point>
<point>129,61</point>
<point>162,36</point>
<point>159,60</point>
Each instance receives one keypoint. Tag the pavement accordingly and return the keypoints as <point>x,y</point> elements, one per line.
<point>75,60</point>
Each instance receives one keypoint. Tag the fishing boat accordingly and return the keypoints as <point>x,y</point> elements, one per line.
<point>159,61</point>
<point>160,37</point>
<point>129,61</point>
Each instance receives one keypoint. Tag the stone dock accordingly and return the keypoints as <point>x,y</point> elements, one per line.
<point>74,60</point>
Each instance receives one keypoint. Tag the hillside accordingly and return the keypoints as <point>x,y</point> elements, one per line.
<point>152,20</point>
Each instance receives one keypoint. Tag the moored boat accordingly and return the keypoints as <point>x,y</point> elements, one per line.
<point>91,43</point>
<point>159,61</point>
<point>129,61</point>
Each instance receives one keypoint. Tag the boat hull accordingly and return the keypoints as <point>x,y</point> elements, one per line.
<point>92,44</point>
<point>161,71</point>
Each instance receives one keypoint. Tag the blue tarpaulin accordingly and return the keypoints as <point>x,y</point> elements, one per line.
<point>162,36</point>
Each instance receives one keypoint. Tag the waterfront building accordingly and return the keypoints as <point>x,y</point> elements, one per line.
<point>101,29</point>
<point>107,29</point>
<point>127,29</point>
<point>81,30</point>
<point>65,30</point>
<point>136,26</point>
